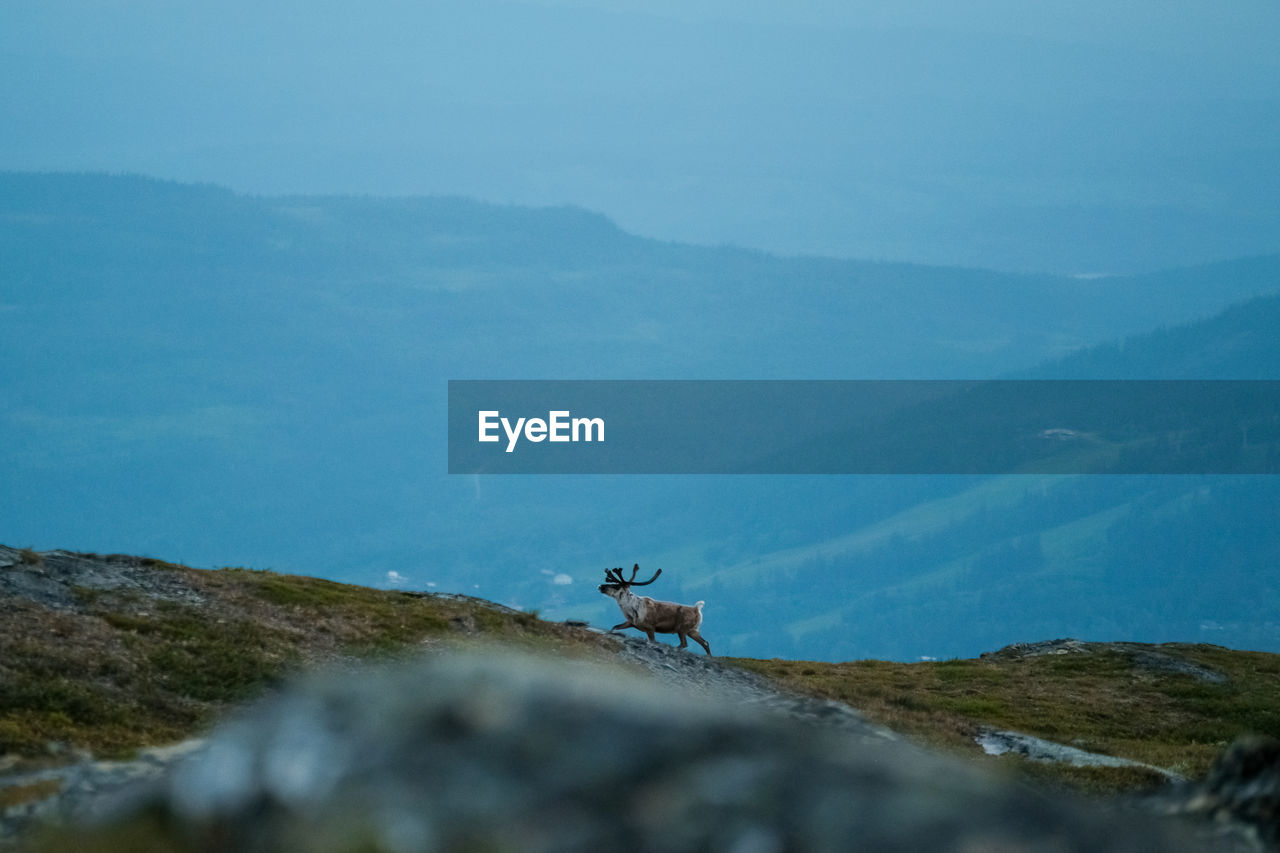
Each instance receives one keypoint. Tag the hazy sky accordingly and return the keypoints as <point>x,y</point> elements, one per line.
<point>1072,137</point>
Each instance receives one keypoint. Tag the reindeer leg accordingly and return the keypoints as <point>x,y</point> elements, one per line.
<point>684,643</point>
<point>626,624</point>
<point>649,631</point>
<point>701,642</point>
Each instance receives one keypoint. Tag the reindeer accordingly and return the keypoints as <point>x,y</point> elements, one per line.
<point>649,615</point>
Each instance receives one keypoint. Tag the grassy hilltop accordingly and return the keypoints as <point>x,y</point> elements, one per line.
<point>1174,705</point>
<point>111,654</point>
<point>161,656</point>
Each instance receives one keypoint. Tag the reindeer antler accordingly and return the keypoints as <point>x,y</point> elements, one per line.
<point>633,581</point>
<point>615,576</point>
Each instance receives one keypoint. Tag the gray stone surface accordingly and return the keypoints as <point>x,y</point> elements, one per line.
<point>52,580</point>
<point>999,742</point>
<point>475,751</point>
<point>700,676</point>
<point>87,789</point>
<point>1241,792</point>
<point>1142,656</point>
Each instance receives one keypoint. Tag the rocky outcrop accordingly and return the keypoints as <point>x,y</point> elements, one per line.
<point>999,742</point>
<point>82,790</point>
<point>51,578</point>
<point>723,684</point>
<point>1241,791</point>
<point>489,751</point>
<point>1144,657</point>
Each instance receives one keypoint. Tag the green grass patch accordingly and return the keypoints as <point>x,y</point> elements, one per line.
<point>1101,701</point>
<point>974,707</point>
<point>153,563</point>
<point>148,832</point>
<point>1099,780</point>
<point>295,591</point>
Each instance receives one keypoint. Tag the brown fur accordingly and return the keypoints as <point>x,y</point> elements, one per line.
<point>649,615</point>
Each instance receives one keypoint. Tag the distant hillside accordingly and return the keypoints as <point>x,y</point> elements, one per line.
<point>1239,343</point>
<point>220,377</point>
<point>815,127</point>
<point>159,259</point>
<point>1159,558</point>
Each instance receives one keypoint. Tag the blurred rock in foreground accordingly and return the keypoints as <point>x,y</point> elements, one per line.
<point>492,752</point>
<point>1241,790</point>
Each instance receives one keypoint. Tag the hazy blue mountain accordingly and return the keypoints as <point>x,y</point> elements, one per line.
<point>1157,557</point>
<point>1080,138</point>
<point>220,378</point>
<point>1240,343</point>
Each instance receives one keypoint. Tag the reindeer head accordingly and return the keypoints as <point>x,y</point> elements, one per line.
<point>617,586</point>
